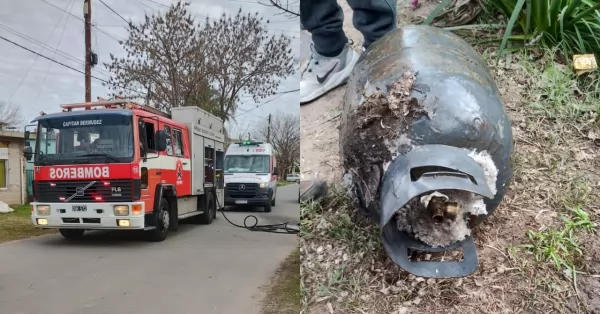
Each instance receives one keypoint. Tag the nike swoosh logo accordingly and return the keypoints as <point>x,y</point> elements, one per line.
<point>322,79</point>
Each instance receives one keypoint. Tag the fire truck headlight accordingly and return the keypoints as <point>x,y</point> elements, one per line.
<point>43,210</point>
<point>263,185</point>
<point>121,210</point>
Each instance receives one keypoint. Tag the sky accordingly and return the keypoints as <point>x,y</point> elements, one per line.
<point>36,84</point>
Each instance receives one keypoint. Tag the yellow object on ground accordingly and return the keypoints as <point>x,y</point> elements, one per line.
<point>584,63</point>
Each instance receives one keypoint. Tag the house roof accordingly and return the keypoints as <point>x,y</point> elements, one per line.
<point>12,134</point>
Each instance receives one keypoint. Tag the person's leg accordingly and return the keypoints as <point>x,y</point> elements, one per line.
<point>373,18</point>
<point>332,58</point>
<point>324,20</point>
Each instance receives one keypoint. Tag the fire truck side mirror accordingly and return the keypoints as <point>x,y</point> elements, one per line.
<point>28,152</point>
<point>161,141</point>
<point>275,171</point>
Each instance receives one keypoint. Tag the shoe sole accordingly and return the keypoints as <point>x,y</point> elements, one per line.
<point>339,78</point>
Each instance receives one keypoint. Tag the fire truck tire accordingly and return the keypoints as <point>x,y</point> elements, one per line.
<point>206,218</point>
<point>159,233</point>
<point>72,233</point>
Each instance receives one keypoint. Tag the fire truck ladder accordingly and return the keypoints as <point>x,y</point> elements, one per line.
<point>118,103</point>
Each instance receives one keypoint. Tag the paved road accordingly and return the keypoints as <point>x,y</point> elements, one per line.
<point>200,269</point>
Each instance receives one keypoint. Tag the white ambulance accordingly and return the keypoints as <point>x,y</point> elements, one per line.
<point>251,175</point>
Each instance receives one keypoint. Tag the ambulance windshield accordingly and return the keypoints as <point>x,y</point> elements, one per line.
<point>84,139</point>
<point>247,164</point>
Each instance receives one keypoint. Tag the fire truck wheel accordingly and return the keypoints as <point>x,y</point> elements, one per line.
<point>161,221</point>
<point>72,233</point>
<point>206,218</point>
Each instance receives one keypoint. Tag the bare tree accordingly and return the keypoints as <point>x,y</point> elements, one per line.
<point>10,115</point>
<point>240,134</point>
<point>245,59</point>
<point>285,137</point>
<point>165,63</point>
<point>171,61</point>
<point>287,7</point>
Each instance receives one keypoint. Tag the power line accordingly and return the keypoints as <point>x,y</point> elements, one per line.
<point>268,101</point>
<point>115,12</point>
<point>147,6</point>
<point>69,4</point>
<point>81,19</point>
<point>47,47</point>
<point>276,93</point>
<point>274,31</point>
<point>66,66</point>
<point>53,56</point>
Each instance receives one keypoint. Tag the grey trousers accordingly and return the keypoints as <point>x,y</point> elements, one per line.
<point>323,19</point>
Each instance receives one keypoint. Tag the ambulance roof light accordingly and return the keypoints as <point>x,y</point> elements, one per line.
<point>249,143</point>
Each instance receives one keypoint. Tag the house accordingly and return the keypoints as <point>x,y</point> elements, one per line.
<point>12,167</point>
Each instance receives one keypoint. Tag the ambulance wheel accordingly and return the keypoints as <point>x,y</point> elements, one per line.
<point>274,199</point>
<point>210,212</point>
<point>268,207</point>
<point>161,222</point>
<point>72,233</point>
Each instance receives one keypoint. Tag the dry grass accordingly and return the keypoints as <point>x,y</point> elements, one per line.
<point>17,225</point>
<point>539,252</point>
<point>283,295</point>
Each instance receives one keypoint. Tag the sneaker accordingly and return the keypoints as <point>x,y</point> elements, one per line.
<point>324,73</point>
<point>311,190</point>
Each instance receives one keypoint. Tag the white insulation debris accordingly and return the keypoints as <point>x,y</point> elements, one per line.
<point>414,217</point>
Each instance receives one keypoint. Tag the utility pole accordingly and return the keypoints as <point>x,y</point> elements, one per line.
<point>87,14</point>
<point>269,130</point>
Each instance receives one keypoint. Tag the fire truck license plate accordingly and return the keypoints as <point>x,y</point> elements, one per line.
<point>241,202</point>
<point>79,208</point>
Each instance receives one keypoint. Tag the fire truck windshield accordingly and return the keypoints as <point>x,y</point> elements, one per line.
<point>247,164</point>
<point>84,139</point>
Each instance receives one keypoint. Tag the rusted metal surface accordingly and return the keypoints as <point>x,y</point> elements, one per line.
<point>451,210</point>
<point>436,208</point>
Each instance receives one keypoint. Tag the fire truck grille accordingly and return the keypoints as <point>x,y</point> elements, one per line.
<point>242,189</point>
<point>84,191</point>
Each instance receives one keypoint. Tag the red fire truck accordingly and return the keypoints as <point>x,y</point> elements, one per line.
<point>120,165</point>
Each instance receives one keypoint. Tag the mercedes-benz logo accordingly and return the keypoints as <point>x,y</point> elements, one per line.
<point>242,187</point>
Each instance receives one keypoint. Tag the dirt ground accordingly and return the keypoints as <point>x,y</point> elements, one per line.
<point>546,225</point>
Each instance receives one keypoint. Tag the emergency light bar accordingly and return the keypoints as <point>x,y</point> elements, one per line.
<point>249,143</point>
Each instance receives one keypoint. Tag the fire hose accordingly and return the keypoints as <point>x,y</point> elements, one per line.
<point>281,228</point>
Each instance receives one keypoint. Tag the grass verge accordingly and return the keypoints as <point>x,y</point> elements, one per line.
<point>17,225</point>
<point>284,183</point>
<point>283,295</point>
